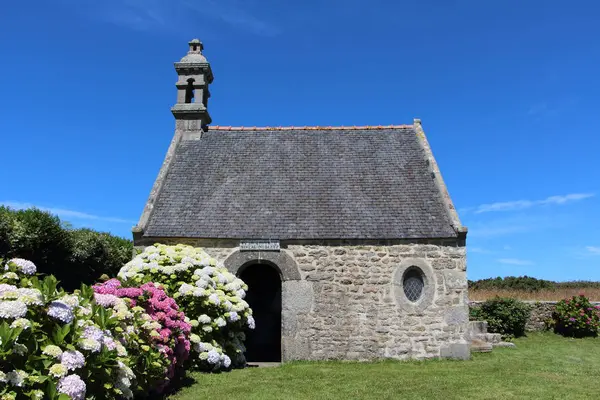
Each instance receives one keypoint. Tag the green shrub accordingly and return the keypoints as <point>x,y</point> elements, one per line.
<point>576,317</point>
<point>503,315</point>
<point>94,254</point>
<point>74,256</point>
<point>524,283</point>
<point>528,284</point>
<point>37,236</point>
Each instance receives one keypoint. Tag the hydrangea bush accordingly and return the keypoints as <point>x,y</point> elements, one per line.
<point>172,306</point>
<point>210,296</point>
<point>164,326</point>
<point>576,317</point>
<point>55,345</point>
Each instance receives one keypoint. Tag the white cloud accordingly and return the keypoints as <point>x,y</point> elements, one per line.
<point>64,213</point>
<point>593,250</point>
<point>523,204</point>
<point>496,229</point>
<point>175,15</point>
<point>514,261</point>
<point>479,250</point>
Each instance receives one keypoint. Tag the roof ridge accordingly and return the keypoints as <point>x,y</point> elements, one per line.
<point>305,128</point>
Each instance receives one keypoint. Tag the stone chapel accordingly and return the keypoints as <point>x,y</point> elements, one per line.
<point>346,236</point>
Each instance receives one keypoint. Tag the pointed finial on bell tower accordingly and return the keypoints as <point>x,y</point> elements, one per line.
<point>195,75</point>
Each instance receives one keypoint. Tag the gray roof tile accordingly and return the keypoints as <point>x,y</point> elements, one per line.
<point>300,184</point>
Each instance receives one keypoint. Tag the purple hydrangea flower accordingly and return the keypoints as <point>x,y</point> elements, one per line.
<point>73,386</point>
<point>61,311</point>
<point>92,332</point>
<point>72,359</point>
<point>106,300</point>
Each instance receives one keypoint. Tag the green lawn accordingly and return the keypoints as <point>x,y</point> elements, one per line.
<point>543,366</point>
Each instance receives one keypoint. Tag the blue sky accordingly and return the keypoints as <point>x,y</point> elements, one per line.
<point>508,93</point>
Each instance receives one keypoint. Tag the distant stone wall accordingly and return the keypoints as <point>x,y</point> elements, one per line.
<point>541,312</point>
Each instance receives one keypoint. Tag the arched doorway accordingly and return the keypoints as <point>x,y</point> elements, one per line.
<point>263,344</point>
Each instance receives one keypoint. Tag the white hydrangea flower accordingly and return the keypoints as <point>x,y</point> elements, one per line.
<point>151,249</point>
<point>214,298</point>
<point>22,323</point>
<point>121,350</point>
<point>12,309</point>
<point>17,377</point>
<point>221,278</point>
<point>87,310</point>
<point>30,296</point>
<point>4,287</point>
<point>71,300</point>
<point>52,351</point>
<point>10,275</point>
<point>19,349</point>
<point>213,357</point>
<point>125,370</point>
<point>202,283</point>
<point>194,338</point>
<point>251,322</point>
<point>220,322</point>
<point>233,316</point>
<point>25,266</point>
<point>90,345</point>
<point>58,370</point>
<point>3,377</point>
<point>185,289</point>
<point>204,319</point>
<point>189,260</point>
<point>226,361</point>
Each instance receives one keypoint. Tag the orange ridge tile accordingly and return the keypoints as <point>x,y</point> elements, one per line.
<point>307,128</point>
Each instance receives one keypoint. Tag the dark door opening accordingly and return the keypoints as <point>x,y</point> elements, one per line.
<point>263,344</point>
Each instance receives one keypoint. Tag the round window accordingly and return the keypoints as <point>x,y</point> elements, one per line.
<point>413,284</point>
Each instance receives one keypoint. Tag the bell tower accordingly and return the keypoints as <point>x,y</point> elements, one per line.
<point>195,75</point>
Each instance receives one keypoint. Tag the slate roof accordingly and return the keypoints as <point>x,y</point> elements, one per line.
<point>300,183</point>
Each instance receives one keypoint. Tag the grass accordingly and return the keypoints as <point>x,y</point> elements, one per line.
<point>542,295</point>
<point>543,366</point>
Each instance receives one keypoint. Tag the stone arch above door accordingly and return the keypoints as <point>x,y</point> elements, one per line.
<point>279,259</point>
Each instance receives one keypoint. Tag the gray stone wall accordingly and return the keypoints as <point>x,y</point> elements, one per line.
<point>346,301</point>
<point>357,314</point>
<point>541,312</point>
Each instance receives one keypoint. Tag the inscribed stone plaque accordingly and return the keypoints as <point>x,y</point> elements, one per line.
<point>259,245</point>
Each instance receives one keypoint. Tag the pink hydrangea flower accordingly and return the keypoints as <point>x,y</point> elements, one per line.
<point>173,338</point>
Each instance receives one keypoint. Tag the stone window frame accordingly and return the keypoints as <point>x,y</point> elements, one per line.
<point>429,281</point>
